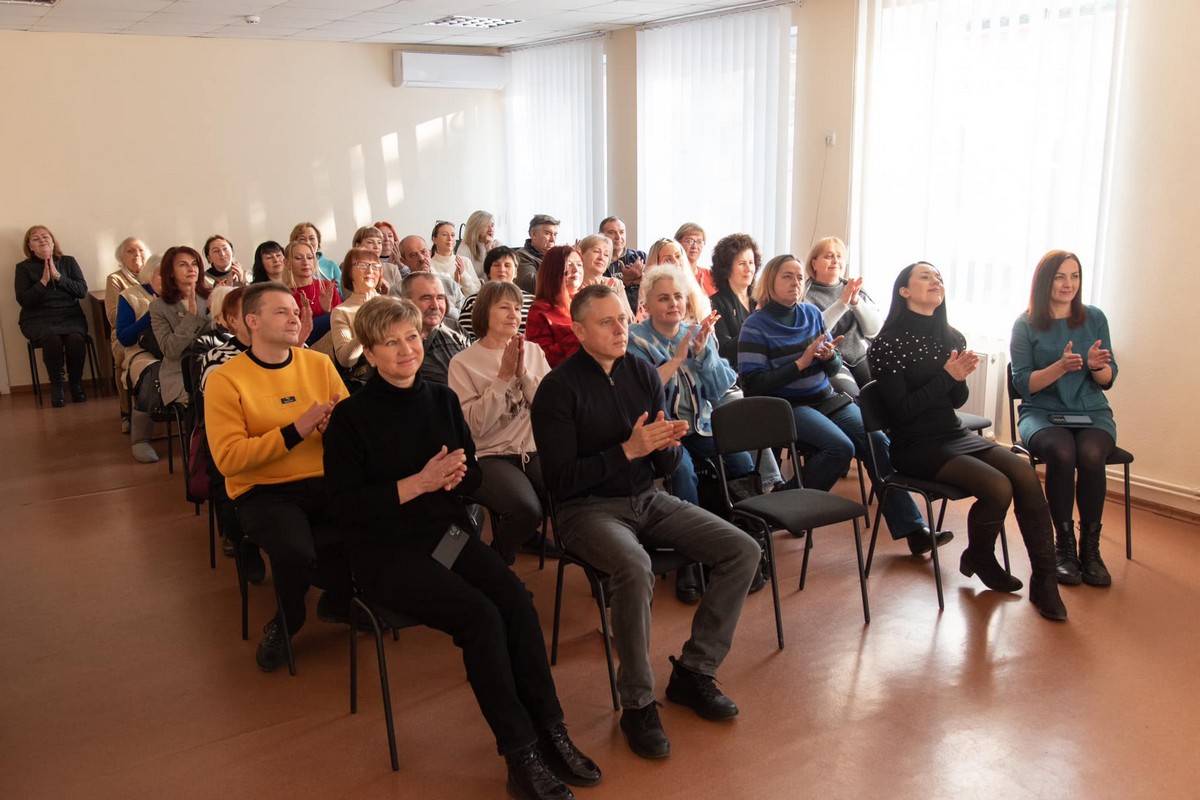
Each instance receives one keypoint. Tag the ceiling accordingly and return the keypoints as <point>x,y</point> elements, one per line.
<point>381,21</point>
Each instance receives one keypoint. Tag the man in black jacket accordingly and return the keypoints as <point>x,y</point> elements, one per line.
<point>602,436</point>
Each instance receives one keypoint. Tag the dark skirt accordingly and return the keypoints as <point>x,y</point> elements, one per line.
<point>925,457</point>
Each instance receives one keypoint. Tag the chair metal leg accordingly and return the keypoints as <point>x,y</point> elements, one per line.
<point>769,554</point>
<point>33,372</point>
<point>604,632</point>
<point>542,555</point>
<point>558,590</point>
<point>239,564</point>
<point>1004,550</point>
<point>93,361</point>
<point>808,544</point>
<point>862,488</point>
<point>1128,519</point>
<point>287,635</point>
<point>937,566</point>
<point>874,535</point>
<point>170,446</point>
<point>355,603</point>
<point>862,577</point>
<point>212,535</point>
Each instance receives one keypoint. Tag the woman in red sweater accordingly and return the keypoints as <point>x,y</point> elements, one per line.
<point>549,325</point>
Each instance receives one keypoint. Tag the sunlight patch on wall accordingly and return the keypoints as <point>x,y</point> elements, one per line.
<point>359,197</point>
<point>390,145</point>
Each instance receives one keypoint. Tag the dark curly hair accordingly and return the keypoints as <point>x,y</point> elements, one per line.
<point>725,251</point>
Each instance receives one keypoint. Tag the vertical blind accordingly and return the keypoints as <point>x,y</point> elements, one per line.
<point>714,127</point>
<point>554,114</point>
<point>984,132</point>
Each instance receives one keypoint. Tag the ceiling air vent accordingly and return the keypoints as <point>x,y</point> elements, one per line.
<point>473,22</point>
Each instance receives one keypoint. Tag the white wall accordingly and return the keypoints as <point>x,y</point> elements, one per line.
<point>174,139</point>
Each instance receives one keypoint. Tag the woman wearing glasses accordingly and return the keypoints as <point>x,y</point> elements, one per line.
<point>691,237</point>
<point>361,270</point>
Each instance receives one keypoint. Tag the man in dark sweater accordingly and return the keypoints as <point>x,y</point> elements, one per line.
<point>602,436</point>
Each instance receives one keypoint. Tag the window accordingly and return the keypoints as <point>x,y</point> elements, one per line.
<point>983,134</point>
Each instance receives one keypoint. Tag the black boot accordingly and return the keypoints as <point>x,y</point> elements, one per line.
<point>980,557</point>
<point>78,395</point>
<point>1066,557</point>
<point>58,393</point>
<point>1094,571</point>
<point>530,779</point>
<point>1038,534</point>
<point>565,760</point>
<point>687,584</point>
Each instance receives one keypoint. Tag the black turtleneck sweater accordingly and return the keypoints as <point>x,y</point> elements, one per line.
<point>381,434</point>
<point>908,360</point>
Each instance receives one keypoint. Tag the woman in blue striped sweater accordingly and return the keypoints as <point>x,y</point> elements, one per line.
<point>785,351</point>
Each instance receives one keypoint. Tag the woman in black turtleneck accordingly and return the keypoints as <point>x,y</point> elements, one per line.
<point>921,364</point>
<point>398,461</point>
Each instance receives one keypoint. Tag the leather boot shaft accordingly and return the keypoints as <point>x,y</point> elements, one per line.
<point>1038,533</point>
<point>1066,555</point>
<point>980,557</point>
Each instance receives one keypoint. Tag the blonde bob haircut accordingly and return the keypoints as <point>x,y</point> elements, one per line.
<point>489,295</point>
<point>376,317</point>
<point>766,280</point>
<point>819,249</point>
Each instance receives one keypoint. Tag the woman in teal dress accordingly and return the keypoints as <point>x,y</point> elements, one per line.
<point>1062,365</point>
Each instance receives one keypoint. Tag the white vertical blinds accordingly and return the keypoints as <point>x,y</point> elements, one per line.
<point>554,113</point>
<point>714,133</point>
<point>983,145</point>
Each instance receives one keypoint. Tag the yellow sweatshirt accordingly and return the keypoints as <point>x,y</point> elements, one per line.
<point>247,407</point>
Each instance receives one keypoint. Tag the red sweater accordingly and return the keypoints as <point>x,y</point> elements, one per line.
<point>313,293</point>
<point>550,327</point>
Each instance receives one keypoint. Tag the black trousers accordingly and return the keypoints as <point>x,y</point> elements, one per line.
<point>60,348</point>
<point>490,615</point>
<point>514,493</point>
<point>293,524</point>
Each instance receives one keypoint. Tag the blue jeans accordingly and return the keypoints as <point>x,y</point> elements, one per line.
<point>684,483</point>
<point>830,442</point>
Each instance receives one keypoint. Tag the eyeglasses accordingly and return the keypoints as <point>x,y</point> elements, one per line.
<point>692,241</point>
<point>367,266</point>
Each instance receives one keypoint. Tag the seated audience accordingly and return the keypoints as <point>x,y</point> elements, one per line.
<point>317,293</point>
<point>691,237</point>
<point>549,324</point>
<point>223,268</point>
<point>49,287</point>
<point>177,317</point>
<point>784,351</point>
<point>400,489</point>
<point>142,357</point>
<point>479,237</point>
<point>627,264</point>
<point>1049,374</point>
<point>848,311</point>
<point>391,241</point>
<point>670,253</point>
<point>360,279</point>
<point>695,380</point>
<point>601,430</point>
<point>922,365</point>
<point>543,232</point>
<point>443,260</point>
<point>596,251</point>
<point>735,262</point>
<point>266,413</point>
<point>440,342</point>
<point>495,380</point>
<point>415,257</point>
<point>500,265</point>
<point>308,233</point>
<point>270,264</point>
<point>131,257</point>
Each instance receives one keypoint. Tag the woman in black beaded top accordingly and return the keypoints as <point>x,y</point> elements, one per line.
<point>920,365</point>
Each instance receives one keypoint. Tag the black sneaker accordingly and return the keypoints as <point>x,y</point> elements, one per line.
<point>272,649</point>
<point>564,759</point>
<point>530,779</point>
<point>699,693</point>
<point>644,731</point>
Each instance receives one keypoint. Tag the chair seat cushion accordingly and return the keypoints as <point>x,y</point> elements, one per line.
<point>801,509</point>
<point>973,422</point>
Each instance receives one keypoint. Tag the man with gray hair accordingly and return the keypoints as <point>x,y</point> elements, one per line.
<point>442,343</point>
<point>413,256</point>
<point>602,436</point>
<point>543,232</point>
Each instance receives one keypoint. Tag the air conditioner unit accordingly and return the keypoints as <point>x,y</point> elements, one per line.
<point>448,70</point>
<point>987,389</point>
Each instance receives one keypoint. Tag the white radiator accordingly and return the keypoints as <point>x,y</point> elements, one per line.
<point>987,389</point>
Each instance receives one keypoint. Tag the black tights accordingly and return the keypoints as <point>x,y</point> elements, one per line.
<point>1068,451</point>
<point>58,348</point>
<point>998,478</point>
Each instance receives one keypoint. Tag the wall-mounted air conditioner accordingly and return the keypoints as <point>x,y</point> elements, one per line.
<point>447,70</point>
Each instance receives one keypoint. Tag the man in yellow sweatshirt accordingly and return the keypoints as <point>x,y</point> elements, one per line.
<point>266,411</point>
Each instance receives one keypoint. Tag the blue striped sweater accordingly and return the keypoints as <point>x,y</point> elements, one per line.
<point>771,340</point>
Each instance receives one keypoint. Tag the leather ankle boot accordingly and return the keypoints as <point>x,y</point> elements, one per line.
<point>1094,571</point>
<point>78,395</point>
<point>530,779</point>
<point>1066,558</point>
<point>1037,531</point>
<point>58,394</point>
<point>980,557</point>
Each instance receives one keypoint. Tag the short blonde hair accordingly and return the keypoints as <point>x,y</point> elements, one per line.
<point>377,316</point>
<point>593,239</point>
<point>489,294</point>
<point>817,249</point>
<point>766,281</point>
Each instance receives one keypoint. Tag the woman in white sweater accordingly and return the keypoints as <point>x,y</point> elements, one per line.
<point>445,262</point>
<point>495,380</point>
<point>847,310</point>
<point>479,238</point>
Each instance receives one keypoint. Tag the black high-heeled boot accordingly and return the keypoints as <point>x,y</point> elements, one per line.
<point>980,557</point>
<point>1066,557</point>
<point>1038,533</point>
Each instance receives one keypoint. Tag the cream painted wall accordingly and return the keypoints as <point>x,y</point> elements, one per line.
<point>174,139</point>
<point>620,51</point>
<point>1150,282</point>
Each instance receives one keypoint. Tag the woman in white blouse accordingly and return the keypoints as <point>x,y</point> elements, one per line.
<point>479,238</point>
<point>444,262</point>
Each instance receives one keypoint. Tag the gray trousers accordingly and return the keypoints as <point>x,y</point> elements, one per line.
<point>611,534</point>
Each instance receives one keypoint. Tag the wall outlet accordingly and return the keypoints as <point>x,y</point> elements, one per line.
<point>831,139</point>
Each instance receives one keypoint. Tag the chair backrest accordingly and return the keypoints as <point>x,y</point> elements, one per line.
<point>874,416</point>
<point>753,423</point>
<point>1012,404</point>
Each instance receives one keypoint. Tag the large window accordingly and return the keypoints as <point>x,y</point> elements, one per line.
<point>554,112</point>
<point>714,134</point>
<point>983,131</point>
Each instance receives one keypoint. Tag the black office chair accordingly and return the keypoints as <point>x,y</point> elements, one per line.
<point>875,419</point>
<point>754,424</point>
<point>92,358</point>
<point>973,422</point>
<point>380,619</point>
<point>1118,456</point>
<point>662,562</point>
